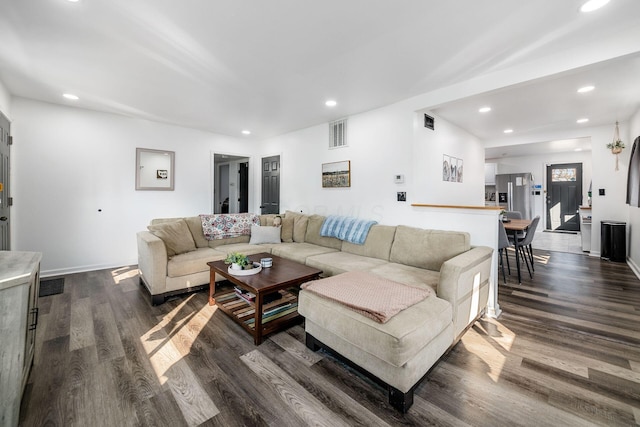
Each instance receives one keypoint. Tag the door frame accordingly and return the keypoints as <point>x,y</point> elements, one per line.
<point>214,191</point>
<point>5,195</point>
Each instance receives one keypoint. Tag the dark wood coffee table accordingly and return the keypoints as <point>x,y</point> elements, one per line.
<point>259,318</point>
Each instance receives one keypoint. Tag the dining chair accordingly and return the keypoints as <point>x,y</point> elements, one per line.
<point>524,245</point>
<point>513,214</point>
<point>503,244</point>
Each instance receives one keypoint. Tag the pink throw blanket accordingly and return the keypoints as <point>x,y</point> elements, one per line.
<point>368,294</point>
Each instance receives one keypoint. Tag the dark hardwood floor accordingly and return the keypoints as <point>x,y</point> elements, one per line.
<point>566,351</point>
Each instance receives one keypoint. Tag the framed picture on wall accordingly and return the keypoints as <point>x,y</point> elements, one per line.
<point>155,169</point>
<point>336,174</point>
<point>446,168</point>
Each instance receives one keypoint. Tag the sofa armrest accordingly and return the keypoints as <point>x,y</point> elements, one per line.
<point>464,282</point>
<point>152,262</point>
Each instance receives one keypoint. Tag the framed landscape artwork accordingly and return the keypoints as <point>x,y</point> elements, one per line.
<point>336,174</point>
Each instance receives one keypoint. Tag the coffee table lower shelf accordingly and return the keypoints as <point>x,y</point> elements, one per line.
<point>276,316</point>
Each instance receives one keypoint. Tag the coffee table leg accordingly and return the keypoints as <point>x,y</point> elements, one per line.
<point>212,286</point>
<point>257,332</point>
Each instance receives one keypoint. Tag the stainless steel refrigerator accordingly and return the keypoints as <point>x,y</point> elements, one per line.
<point>515,193</point>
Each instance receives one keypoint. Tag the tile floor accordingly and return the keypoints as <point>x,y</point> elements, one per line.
<point>559,242</point>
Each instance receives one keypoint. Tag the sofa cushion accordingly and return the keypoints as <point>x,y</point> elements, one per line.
<point>175,235</point>
<point>265,234</point>
<point>299,252</point>
<point>334,263</point>
<point>297,223</point>
<point>195,226</point>
<point>377,245</point>
<point>412,276</point>
<point>266,220</point>
<point>396,341</point>
<point>245,248</point>
<point>428,249</point>
<point>229,241</point>
<point>313,234</point>
<point>192,262</point>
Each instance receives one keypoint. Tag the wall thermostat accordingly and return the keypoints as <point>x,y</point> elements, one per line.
<point>398,179</point>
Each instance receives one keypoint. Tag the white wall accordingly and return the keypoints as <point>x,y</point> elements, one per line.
<point>381,144</point>
<point>634,212</point>
<point>537,165</point>
<point>429,148</point>
<point>70,163</point>
<point>611,206</point>
<point>5,100</point>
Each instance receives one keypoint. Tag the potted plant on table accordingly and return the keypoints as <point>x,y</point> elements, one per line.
<point>238,261</point>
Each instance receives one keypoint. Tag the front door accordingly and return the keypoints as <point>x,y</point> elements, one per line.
<point>564,194</point>
<point>270,185</point>
<point>5,238</point>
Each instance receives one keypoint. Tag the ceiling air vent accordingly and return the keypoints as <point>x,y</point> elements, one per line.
<point>338,133</point>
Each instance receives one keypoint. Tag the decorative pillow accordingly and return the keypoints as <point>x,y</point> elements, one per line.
<point>223,226</point>
<point>264,235</point>
<point>176,237</point>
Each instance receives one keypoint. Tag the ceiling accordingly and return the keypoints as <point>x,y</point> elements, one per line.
<point>548,105</point>
<point>269,67</point>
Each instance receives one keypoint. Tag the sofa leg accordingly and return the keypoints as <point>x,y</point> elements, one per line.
<point>311,342</point>
<point>157,299</point>
<point>399,400</point>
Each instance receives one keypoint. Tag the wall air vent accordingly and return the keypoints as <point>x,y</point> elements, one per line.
<point>429,122</point>
<point>338,133</point>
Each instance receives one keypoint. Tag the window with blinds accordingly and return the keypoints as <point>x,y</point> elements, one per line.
<point>338,133</point>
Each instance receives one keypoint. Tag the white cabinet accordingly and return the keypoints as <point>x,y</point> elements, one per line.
<point>490,171</point>
<point>585,227</point>
<point>19,285</point>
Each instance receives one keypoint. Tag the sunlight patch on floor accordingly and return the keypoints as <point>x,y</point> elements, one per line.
<point>159,343</point>
<point>166,351</point>
<point>495,356</point>
<point>123,273</point>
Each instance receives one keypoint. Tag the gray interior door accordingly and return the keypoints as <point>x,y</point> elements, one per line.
<point>564,195</point>
<point>243,188</point>
<point>5,238</point>
<point>270,185</point>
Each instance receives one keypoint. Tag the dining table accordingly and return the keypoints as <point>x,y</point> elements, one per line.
<point>515,226</point>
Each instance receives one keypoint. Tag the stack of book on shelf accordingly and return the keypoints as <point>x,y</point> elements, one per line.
<point>250,297</point>
<point>275,312</point>
<point>245,295</point>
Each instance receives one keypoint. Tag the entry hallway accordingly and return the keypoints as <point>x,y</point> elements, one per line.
<point>566,351</point>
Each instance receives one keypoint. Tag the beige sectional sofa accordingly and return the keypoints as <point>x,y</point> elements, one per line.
<point>398,353</point>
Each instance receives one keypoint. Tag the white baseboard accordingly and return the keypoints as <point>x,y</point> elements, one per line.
<point>634,267</point>
<point>84,268</point>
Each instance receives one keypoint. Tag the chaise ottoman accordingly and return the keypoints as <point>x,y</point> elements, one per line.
<point>397,353</point>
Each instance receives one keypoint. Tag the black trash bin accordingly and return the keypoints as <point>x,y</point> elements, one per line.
<point>613,241</point>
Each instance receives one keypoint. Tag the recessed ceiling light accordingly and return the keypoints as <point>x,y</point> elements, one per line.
<point>246,132</point>
<point>484,109</point>
<point>73,1</point>
<point>508,131</point>
<point>331,103</point>
<point>71,96</point>
<point>592,5</point>
<point>585,120</point>
<point>577,149</point>
<point>586,89</point>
